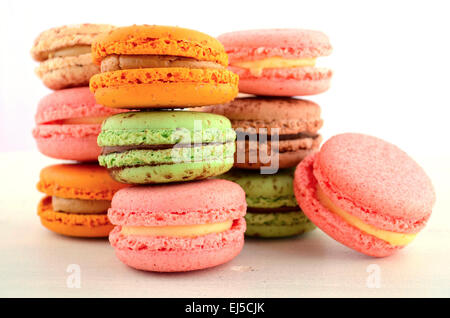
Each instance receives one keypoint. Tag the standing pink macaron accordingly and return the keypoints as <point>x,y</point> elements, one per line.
<point>278,62</point>
<point>178,227</point>
<point>365,193</point>
<point>68,122</point>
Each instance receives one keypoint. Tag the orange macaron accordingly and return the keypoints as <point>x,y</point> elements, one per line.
<point>77,199</point>
<point>149,66</point>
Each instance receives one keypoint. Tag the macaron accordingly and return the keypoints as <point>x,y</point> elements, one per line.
<point>68,122</point>
<point>178,227</point>
<point>278,62</point>
<point>166,146</point>
<point>272,132</point>
<point>365,193</point>
<point>150,66</point>
<point>64,54</point>
<point>272,209</point>
<point>77,199</point>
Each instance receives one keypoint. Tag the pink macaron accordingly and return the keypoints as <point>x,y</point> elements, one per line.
<point>365,193</point>
<point>178,227</point>
<point>68,122</point>
<point>278,62</point>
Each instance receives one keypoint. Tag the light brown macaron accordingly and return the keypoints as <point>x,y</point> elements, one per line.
<point>259,120</point>
<point>64,54</point>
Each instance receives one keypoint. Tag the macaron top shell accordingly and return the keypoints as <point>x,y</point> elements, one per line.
<point>287,43</point>
<point>159,40</point>
<point>78,181</point>
<point>267,108</point>
<point>66,36</point>
<point>198,202</point>
<point>164,127</point>
<point>375,181</point>
<point>291,115</point>
<point>70,103</point>
<point>265,190</point>
<point>268,185</point>
<point>165,119</point>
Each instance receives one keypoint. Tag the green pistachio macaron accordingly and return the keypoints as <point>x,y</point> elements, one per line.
<point>166,146</point>
<point>272,210</point>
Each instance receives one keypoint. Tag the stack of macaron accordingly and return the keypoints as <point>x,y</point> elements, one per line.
<point>172,218</point>
<point>275,129</point>
<point>155,178</point>
<point>68,122</point>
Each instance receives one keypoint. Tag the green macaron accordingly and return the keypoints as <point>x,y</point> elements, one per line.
<point>166,146</point>
<point>272,210</point>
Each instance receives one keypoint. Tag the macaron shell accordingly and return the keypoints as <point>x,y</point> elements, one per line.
<point>285,160</point>
<point>159,40</point>
<point>198,202</point>
<point>290,115</point>
<point>172,254</point>
<point>141,121</point>
<point>149,157</point>
<point>376,182</point>
<point>257,185</point>
<point>64,141</point>
<point>70,224</point>
<point>164,87</point>
<point>77,142</point>
<point>70,103</point>
<point>78,181</point>
<point>70,71</point>
<point>261,115</point>
<point>171,172</point>
<point>66,36</point>
<point>161,95</point>
<point>252,45</point>
<point>273,225</point>
<point>284,82</point>
<point>305,190</point>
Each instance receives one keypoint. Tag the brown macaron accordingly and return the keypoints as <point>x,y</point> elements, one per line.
<point>64,54</point>
<point>258,122</point>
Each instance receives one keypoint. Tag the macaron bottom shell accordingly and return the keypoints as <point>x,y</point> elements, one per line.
<point>178,254</point>
<point>276,225</point>
<point>273,87</point>
<point>178,261</point>
<point>71,224</point>
<point>163,95</point>
<point>64,72</point>
<point>285,82</point>
<point>166,173</point>
<point>70,148</point>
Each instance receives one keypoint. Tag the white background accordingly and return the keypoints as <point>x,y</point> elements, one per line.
<point>391,67</point>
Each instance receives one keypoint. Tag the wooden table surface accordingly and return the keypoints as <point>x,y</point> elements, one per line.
<point>37,263</point>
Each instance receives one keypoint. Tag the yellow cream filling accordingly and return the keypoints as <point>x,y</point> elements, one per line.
<point>256,67</point>
<point>83,121</point>
<point>179,230</point>
<point>71,51</point>
<point>393,238</point>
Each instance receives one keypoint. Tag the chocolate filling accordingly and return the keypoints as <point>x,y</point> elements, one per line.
<point>242,135</point>
<point>282,209</point>
<point>118,149</point>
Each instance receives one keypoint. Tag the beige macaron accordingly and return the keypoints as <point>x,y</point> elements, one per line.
<point>64,54</point>
<point>268,129</point>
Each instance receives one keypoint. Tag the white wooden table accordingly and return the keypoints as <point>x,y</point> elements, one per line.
<point>34,261</point>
